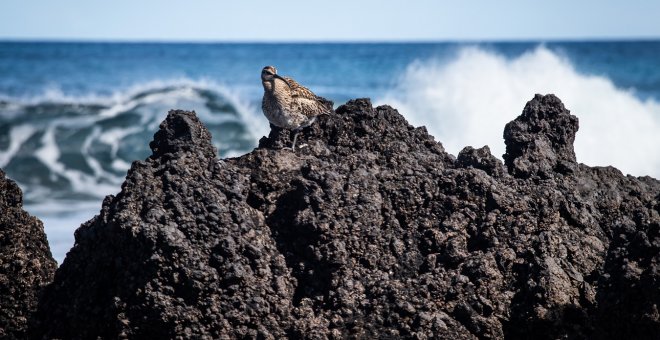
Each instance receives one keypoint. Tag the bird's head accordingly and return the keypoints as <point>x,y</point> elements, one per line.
<point>269,74</point>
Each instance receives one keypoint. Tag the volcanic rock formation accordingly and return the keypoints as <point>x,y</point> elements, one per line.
<point>26,264</point>
<point>371,230</point>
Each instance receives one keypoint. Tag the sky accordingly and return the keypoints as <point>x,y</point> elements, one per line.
<point>332,20</point>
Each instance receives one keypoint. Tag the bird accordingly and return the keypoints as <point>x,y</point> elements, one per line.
<point>290,105</point>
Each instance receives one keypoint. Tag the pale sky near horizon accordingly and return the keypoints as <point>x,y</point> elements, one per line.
<point>332,20</point>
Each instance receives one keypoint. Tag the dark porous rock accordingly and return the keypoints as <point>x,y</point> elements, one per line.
<point>369,230</point>
<point>540,141</point>
<point>482,159</point>
<point>26,264</point>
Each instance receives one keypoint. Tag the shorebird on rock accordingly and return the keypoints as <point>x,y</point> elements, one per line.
<point>288,104</point>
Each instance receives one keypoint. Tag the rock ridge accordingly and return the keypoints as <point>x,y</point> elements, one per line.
<point>371,230</point>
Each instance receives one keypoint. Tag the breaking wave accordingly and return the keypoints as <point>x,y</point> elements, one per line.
<point>76,148</point>
<point>468,100</point>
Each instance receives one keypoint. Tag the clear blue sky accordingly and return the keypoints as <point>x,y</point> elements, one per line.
<point>329,20</point>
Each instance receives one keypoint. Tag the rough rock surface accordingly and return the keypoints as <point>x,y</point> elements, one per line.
<point>26,264</point>
<point>370,231</point>
<point>540,141</point>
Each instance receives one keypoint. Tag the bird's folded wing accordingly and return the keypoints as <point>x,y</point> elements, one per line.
<point>298,90</point>
<point>307,98</point>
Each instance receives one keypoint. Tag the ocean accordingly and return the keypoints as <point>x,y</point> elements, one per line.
<point>73,116</point>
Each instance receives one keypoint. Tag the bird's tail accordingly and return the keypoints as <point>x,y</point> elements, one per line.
<point>328,104</point>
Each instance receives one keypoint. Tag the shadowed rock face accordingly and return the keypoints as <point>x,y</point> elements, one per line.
<point>26,264</point>
<point>370,231</point>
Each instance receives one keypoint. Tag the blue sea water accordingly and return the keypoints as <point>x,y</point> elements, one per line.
<point>73,116</point>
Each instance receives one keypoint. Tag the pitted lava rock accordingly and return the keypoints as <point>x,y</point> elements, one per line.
<point>540,141</point>
<point>26,264</point>
<point>369,230</point>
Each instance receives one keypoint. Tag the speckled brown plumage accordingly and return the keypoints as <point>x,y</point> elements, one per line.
<point>288,104</point>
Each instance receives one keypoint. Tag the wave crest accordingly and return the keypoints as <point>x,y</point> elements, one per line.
<point>79,147</point>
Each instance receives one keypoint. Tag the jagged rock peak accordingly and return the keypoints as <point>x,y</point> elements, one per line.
<point>540,141</point>
<point>182,131</point>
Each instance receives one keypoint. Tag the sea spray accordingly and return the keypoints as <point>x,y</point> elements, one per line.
<point>468,100</point>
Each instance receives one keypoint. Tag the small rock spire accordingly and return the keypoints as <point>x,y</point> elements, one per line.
<point>539,142</point>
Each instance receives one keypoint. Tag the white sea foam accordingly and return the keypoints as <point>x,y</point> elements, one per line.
<point>17,136</point>
<point>92,162</point>
<point>120,165</point>
<point>49,154</point>
<point>468,100</point>
<point>112,137</point>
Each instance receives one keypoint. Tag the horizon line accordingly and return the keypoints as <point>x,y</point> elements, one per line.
<point>329,41</point>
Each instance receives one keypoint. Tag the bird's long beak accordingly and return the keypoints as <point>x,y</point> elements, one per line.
<point>282,78</point>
